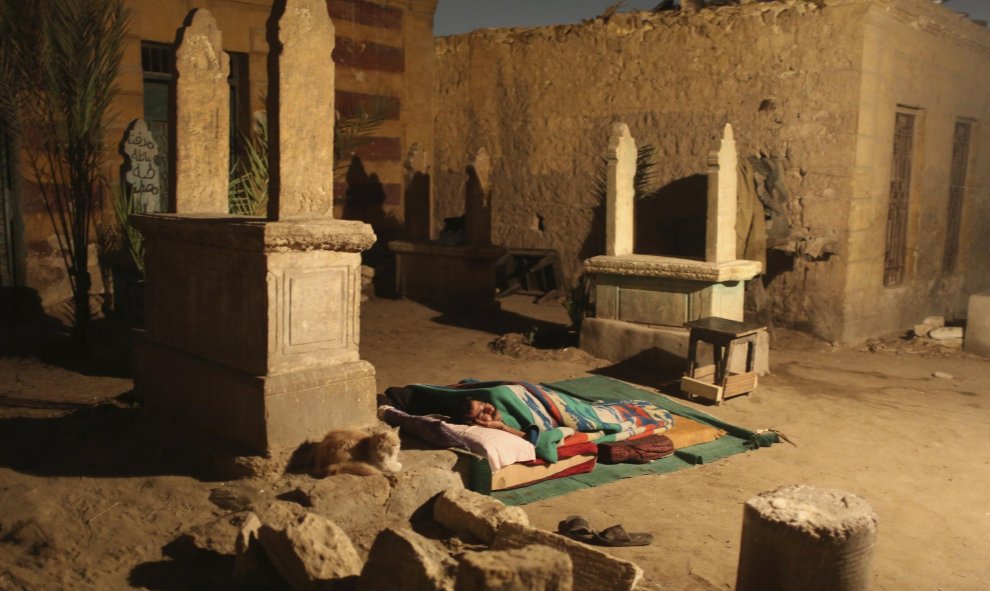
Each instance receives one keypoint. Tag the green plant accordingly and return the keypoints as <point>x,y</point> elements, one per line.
<point>249,180</point>
<point>123,207</point>
<point>249,183</point>
<point>579,303</point>
<point>62,58</point>
<point>643,180</point>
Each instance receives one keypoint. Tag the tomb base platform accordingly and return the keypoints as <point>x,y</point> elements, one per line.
<point>252,327</point>
<point>664,348</point>
<point>460,277</point>
<point>254,414</point>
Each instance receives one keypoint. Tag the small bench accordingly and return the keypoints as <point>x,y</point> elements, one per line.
<point>715,382</point>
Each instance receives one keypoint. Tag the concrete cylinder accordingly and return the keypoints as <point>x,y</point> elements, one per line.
<point>799,537</point>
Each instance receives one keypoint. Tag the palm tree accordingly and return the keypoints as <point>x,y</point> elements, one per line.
<point>63,57</point>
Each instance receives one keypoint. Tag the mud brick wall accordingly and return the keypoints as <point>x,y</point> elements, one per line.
<point>788,75</point>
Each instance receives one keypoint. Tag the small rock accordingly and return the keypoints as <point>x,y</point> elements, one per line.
<point>310,551</point>
<point>922,330</point>
<point>425,474</point>
<point>946,333</point>
<point>474,517</point>
<point>935,321</point>
<point>942,375</point>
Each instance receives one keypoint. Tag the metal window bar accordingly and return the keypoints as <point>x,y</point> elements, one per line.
<point>957,193</point>
<point>6,225</point>
<point>895,254</point>
<point>156,60</point>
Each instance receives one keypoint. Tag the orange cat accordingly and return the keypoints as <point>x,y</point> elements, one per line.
<point>350,451</point>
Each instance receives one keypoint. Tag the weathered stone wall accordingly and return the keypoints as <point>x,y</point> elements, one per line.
<point>785,74</point>
<point>935,64</point>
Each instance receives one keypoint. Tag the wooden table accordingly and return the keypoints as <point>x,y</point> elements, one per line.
<point>715,382</point>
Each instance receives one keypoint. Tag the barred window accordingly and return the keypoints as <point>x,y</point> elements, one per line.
<point>957,193</point>
<point>895,255</point>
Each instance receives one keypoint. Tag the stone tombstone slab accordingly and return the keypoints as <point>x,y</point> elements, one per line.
<point>300,114</point>
<point>720,236</point>
<point>477,205</point>
<point>620,193</point>
<point>142,175</point>
<point>201,129</point>
<point>417,205</point>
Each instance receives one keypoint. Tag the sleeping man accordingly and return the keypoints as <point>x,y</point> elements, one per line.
<point>546,417</point>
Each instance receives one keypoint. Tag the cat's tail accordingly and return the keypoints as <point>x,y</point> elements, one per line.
<point>352,467</point>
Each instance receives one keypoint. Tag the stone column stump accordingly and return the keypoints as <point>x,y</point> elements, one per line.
<point>799,537</point>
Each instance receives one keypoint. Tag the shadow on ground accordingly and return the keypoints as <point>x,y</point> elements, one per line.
<point>110,439</point>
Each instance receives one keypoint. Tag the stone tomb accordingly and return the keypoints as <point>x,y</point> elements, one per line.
<point>643,301</point>
<point>252,325</point>
<point>453,276</point>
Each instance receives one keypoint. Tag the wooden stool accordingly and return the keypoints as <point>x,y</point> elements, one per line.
<point>715,382</point>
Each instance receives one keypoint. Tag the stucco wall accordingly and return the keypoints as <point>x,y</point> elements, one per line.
<point>935,64</point>
<point>542,102</point>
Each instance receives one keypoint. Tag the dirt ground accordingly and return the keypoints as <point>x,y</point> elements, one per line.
<point>89,499</point>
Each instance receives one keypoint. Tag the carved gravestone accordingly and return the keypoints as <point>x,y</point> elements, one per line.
<point>144,182</point>
<point>253,325</point>
<point>620,193</point>
<point>202,122</point>
<point>300,117</point>
<point>723,185</point>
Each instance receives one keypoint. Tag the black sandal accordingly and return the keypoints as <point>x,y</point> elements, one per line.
<point>577,528</point>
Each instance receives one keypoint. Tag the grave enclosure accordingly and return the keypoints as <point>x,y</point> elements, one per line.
<point>252,325</point>
<point>643,301</point>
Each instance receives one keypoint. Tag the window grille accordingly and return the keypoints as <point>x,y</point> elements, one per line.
<point>6,234</point>
<point>957,193</point>
<point>156,60</point>
<point>895,254</point>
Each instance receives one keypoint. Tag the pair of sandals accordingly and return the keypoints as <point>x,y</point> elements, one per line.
<point>578,528</point>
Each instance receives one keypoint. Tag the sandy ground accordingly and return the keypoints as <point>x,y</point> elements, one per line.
<point>90,499</point>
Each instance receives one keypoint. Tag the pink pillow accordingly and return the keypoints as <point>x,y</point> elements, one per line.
<point>499,447</point>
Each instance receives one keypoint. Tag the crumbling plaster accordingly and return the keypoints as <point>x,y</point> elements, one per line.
<point>788,75</point>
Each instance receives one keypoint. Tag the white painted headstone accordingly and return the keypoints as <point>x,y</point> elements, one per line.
<point>143,177</point>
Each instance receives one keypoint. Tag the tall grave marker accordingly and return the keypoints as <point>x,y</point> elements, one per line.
<point>252,324</point>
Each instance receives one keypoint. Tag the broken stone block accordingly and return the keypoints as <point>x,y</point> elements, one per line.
<point>534,568</point>
<point>221,535</point>
<point>402,559</point>
<point>474,517</point>
<point>945,333</point>
<point>593,569</point>
<point>935,321</point>
<point>978,325</point>
<point>425,474</point>
<point>355,503</point>
<point>251,565</point>
<point>922,330</point>
<point>309,551</point>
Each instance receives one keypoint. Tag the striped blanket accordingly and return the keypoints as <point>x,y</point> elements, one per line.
<point>560,419</point>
